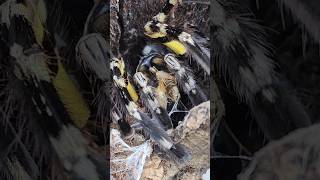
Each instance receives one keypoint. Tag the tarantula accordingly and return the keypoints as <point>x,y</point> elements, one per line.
<point>149,89</point>
<point>250,78</point>
<point>65,104</point>
<point>54,91</point>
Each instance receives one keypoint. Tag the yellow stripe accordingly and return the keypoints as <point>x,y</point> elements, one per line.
<point>38,30</point>
<point>40,20</point>
<point>71,97</point>
<point>42,10</point>
<point>176,46</point>
<point>156,35</point>
<point>67,91</point>
<point>132,92</point>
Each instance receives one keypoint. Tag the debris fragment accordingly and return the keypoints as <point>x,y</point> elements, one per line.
<point>127,162</point>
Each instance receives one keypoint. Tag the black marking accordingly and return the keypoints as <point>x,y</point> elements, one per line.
<point>167,7</point>
<point>50,125</point>
<point>123,90</point>
<point>173,31</point>
<point>20,32</point>
<point>163,39</point>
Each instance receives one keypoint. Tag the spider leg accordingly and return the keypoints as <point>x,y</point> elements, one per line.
<point>185,80</point>
<point>243,57</point>
<point>158,111</point>
<point>181,42</point>
<point>165,10</point>
<point>57,104</point>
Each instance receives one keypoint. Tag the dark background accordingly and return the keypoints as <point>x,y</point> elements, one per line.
<point>297,58</point>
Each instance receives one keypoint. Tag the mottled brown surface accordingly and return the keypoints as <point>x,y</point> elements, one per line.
<point>194,133</point>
